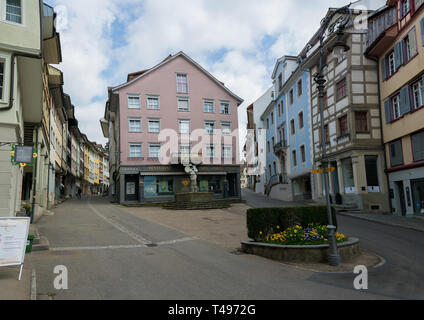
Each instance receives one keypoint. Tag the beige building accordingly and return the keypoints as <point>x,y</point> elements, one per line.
<point>396,41</point>
<point>352,123</point>
<point>28,42</point>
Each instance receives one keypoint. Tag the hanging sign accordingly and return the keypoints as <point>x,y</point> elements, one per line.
<point>23,156</point>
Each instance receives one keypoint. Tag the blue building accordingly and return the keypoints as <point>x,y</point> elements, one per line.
<point>289,154</point>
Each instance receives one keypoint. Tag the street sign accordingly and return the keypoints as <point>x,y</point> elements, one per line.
<point>319,171</point>
<point>13,241</point>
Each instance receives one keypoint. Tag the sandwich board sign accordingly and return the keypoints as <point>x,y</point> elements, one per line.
<point>13,241</point>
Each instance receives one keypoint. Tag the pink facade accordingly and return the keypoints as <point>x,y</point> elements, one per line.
<point>162,83</point>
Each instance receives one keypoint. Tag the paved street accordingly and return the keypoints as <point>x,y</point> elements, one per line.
<point>113,254</point>
<point>401,276</point>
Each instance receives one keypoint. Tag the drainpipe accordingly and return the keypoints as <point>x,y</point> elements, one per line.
<point>34,178</point>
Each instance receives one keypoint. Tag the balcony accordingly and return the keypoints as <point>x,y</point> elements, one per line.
<point>280,147</point>
<point>382,30</point>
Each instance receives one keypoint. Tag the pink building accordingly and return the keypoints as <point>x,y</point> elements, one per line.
<point>164,118</point>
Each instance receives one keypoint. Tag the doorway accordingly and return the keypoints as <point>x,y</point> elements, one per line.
<point>401,192</point>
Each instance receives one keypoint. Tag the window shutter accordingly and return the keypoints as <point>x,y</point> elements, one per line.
<point>398,55</point>
<point>422,31</point>
<point>383,69</point>
<point>387,111</point>
<point>422,88</point>
<point>405,104</point>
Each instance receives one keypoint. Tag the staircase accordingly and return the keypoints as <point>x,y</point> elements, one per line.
<point>198,205</point>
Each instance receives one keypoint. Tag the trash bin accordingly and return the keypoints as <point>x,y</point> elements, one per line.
<point>29,243</point>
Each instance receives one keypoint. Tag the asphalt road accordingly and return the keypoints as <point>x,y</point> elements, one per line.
<point>401,277</point>
<point>111,254</point>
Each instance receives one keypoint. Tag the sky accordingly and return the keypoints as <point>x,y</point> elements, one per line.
<point>238,41</point>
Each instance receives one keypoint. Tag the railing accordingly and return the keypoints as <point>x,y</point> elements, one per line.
<point>275,180</point>
<point>280,146</point>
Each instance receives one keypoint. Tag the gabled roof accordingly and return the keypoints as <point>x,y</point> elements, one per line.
<point>282,59</point>
<point>170,58</point>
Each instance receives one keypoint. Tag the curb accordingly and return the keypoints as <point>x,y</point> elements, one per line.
<point>33,290</point>
<point>380,222</point>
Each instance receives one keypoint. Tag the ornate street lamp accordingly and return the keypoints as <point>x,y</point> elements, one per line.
<point>338,50</point>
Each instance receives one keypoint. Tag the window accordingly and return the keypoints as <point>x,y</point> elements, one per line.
<point>272,117</point>
<point>391,63</point>
<point>418,3</point>
<point>291,96</point>
<point>275,168</point>
<point>183,104</point>
<point>225,107</point>
<point>341,89</point>
<point>269,149</point>
<point>301,121</point>
<point>267,124</point>
<point>396,107</point>
<point>135,125</point>
<point>418,146</point>
<point>410,45</point>
<point>361,121</point>
<point>185,148</point>
<point>184,126</point>
<point>154,126</point>
<point>325,101</point>
<point>210,127</point>
<point>280,82</point>
<point>293,127</point>
<point>396,156</point>
<point>299,88</point>
<point>303,154</point>
<point>135,151</point>
<point>227,151</point>
<point>182,83</point>
<point>343,126</point>
<point>226,128</point>
<point>418,94</point>
<point>326,134</point>
<point>153,103</point>
<point>134,102</point>
<point>154,150</point>
<point>273,141</point>
<point>210,151</point>
<point>1,79</point>
<point>294,158</point>
<point>208,106</point>
<point>14,11</point>
<point>404,7</point>
<point>371,168</point>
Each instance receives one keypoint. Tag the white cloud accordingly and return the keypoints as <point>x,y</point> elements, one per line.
<point>200,28</point>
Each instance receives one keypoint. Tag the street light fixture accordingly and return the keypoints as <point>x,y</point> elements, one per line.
<point>338,50</point>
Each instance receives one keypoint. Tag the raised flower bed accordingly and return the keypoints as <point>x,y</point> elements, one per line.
<point>294,235</point>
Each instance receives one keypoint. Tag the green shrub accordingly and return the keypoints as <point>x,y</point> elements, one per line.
<point>264,220</point>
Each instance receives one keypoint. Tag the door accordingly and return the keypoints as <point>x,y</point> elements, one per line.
<point>401,193</point>
<point>131,187</point>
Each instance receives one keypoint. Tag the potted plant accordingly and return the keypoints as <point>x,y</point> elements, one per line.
<point>27,210</point>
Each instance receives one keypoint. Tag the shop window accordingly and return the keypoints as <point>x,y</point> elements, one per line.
<point>156,186</point>
<point>418,146</point>
<point>348,179</point>
<point>371,168</point>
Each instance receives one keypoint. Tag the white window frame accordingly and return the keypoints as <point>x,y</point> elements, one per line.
<point>294,158</point>
<point>186,146</point>
<point>130,127</point>
<point>180,121</point>
<point>227,155</point>
<point>391,62</point>
<point>188,104</point>
<point>214,127</point>
<point>209,154</point>
<point>179,74</point>
<point>154,97</point>
<point>131,106</point>
<point>225,103</point>
<point>155,155</point>
<point>396,107</point>
<point>208,101</point>
<point>223,123</point>
<point>2,83</point>
<point>138,145</point>
<point>416,88</point>
<point>22,23</point>
<point>149,127</point>
<point>304,149</point>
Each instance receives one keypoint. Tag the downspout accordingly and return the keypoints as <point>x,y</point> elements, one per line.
<point>382,133</point>
<point>34,178</point>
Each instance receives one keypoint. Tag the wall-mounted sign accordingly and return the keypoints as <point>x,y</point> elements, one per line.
<point>23,155</point>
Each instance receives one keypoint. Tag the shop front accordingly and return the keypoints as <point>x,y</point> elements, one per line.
<point>161,183</point>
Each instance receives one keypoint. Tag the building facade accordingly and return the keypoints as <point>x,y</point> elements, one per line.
<point>396,41</point>
<point>165,116</point>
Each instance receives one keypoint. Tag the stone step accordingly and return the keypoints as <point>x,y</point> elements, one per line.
<point>43,245</point>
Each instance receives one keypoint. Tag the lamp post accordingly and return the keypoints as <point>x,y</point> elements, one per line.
<point>339,48</point>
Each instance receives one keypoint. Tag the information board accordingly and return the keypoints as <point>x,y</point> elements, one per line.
<point>13,241</point>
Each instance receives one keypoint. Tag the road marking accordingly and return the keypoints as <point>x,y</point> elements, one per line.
<point>120,227</point>
<point>130,246</point>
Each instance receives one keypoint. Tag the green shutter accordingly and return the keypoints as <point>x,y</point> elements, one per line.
<point>383,69</point>
<point>405,103</point>
<point>422,31</point>
<point>387,111</point>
